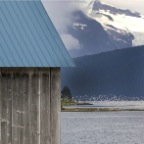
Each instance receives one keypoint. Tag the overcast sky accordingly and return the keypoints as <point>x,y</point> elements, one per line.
<point>61,14</point>
<point>60,11</point>
<point>135,5</point>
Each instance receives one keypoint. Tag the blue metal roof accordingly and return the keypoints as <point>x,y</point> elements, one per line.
<point>28,37</point>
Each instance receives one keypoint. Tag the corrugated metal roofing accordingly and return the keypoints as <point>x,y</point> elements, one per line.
<point>28,37</point>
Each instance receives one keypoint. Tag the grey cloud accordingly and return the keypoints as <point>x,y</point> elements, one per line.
<point>61,14</point>
<point>134,5</point>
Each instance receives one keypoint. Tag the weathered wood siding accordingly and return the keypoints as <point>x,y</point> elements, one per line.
<point>29,106</point>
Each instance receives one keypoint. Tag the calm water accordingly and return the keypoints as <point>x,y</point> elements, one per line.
<point>102,128</point>
<point>112,104</point>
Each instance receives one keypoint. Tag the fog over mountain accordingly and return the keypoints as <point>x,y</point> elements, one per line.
<point>105,28</point>
<point>96,26</point>
<point>121,19</point>
<point>94,38</point>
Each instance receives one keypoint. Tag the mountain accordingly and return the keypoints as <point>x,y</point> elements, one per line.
<point>103,27</point>
<point>117,74</point>
<point>111,17</point>
<point>97,6</point>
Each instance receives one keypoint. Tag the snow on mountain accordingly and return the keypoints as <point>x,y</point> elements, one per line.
<point>115,19</point>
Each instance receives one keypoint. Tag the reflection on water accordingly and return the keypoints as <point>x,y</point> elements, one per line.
<point>102,128</point>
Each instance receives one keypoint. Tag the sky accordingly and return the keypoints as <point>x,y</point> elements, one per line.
<point>135,5</point>
<point>60,11</point>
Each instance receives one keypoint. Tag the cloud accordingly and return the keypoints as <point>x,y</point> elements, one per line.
<point>60,13</point>
<point>134,5</point>
<point>70,41</point>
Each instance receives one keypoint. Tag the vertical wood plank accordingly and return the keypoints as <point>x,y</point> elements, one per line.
<point>29,122</point>
<point>25,108</point>
<point>4,112</point>
<point>39,108</point>
<point>45,108</point>
<point>55,106</point>
<point>15,121</point>
<point>0,105</point>
<point>12,95</point>
<point>18,111</point>
<point>34,109</point>
<point>9,103</point>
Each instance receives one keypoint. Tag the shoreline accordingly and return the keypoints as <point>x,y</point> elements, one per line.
<point>99,109</point>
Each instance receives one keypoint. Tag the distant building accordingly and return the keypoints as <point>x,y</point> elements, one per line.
<point>31,54</point>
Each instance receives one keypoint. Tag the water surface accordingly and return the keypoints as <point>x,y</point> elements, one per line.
<point>102,128</point>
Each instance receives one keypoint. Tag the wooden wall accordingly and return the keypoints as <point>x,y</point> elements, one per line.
<point>29,106</point>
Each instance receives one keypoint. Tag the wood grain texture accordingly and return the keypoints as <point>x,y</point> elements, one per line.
<point>34,109</point>
<point>55,106</point>
<point>30,106</point>
<point>0,105</point>
<point>4,110</point>
<point>45,108</point>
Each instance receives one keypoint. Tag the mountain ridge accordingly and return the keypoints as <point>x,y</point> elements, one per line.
<point>117,73</point>
<point>94,38</point>
<point>103,27</point>
<point>98,5</point>
<point>121,19</point>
